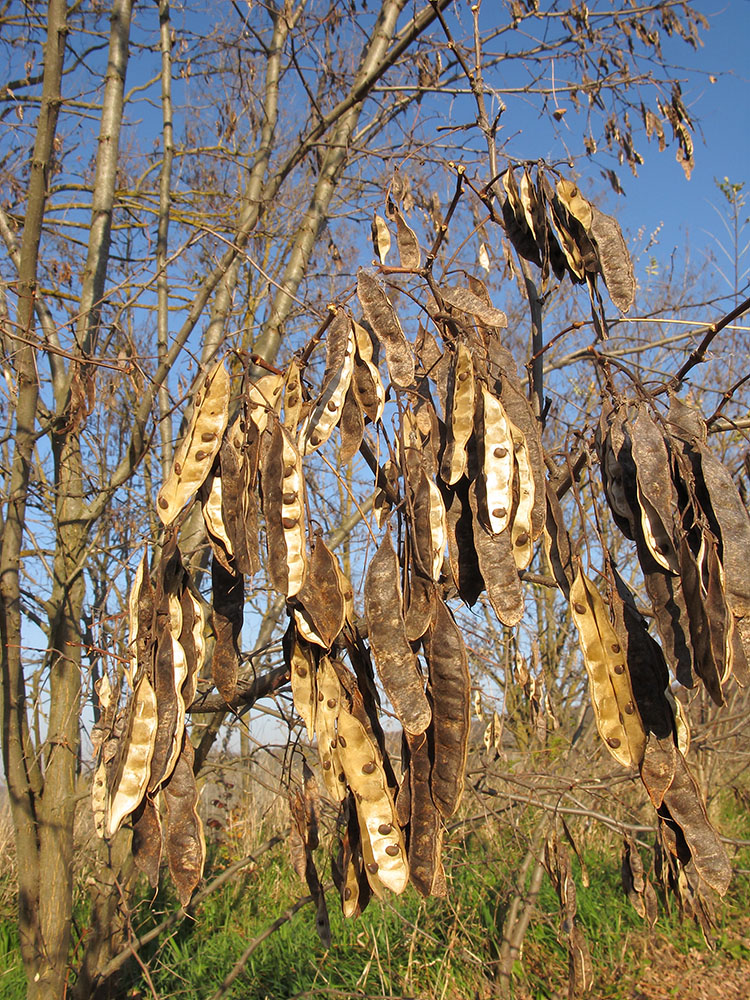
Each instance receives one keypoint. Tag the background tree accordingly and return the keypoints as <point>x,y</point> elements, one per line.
<point>197,182</point>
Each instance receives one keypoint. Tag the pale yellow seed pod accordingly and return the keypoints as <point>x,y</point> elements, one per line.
<point>498,462</point>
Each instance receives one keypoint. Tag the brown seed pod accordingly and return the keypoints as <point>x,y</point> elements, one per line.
<point>326,411</point>
<point>462,555</point>
<point>406,239</point>
<point>450,688</point>
<point>498,567</point>
<point>466,301</point>
<point>322,597</point>
<point>211,495</point>
<point>284,509</point>
<point>521,528</point>
<point>397,665</point>
<point>425,830</point>
<point>301,659</point>
<point>420,612</point>
<point>228,607</point>
<point>366,377</point>
<point>365,775</point>
<point>617,717</point>
<point>147,840</point>
<point>656,495</point>
<point>348,869</point>
<point>193,642</point>
<point>708,615</point>
<point>195,455</point>
<point>184,841</point>
<point>235,494</point>
<point>293,398</point>
<point>128,776</point>
<point>460,414</point>
<point>351,425</point>
<point>381,316</point>
<point>617,267</point>
<point>429,532</point>
<point>557,543</point>
<point>514,221</point>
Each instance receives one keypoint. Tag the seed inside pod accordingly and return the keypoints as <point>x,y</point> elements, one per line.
<point>462,376</point>
<point>522,539</point>
<point>210,435</point>
<point>321,696</point>
<point>372,867</point>
<point>384,829</point>
<point>629,708</point>
<point>613,742</point>
<point>369,767</point>
<point>288,498</point>
<point>332,407</point>
<point>580,609</point>
<point>333,742</point>
<point>293,399</point>
<point>499,512</point>
<point>200,455</point>
<point>288,471</point>
<point>619,668</point>
<point>177,469</point>
<point>331,703</point>
<point>326,765</point>
<point>314,439</point>
<point>342,742</point>
<point>347,893</point>
<point>302,671</point>
<point>500,452</point>
<point>342,777</point>
<point>392,849</point>
<point>163,503</point>
<point>615,647</point>
<point>288,522</point>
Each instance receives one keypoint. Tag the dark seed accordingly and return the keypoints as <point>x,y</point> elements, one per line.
<point>331,703</point>
<point>499,512</point>
<point>288,522</point>
<point>331,406</point>
<point>288,498</point>
<point>384,829</point>
<point>629,708</point>
<point>314,439</point>
<point>615,647</point>
<point>500,452</point>
<point>580,609</point>
<point>210,436</point>
<point>302,671</point>
<point>372,867</point>
<point>320,697</point>
<point>292,401</point>
<point>347,893</point>
<point>522,539</point>
<point>163,503</point>
<point>177,469</point>
<point>619,668</point>
<point>342,777</point>
<point>613,742</point>
<point>392,849</point>
<point>342,742</point>
<point>288,471</point>
<point>369,767</point>
<point>200,455</point>
<point>326,765</point>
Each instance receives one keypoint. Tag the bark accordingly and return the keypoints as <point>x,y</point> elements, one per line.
<point>22,770</point>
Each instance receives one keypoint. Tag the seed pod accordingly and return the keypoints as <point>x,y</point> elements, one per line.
<point>366,777</point>
<point>397,665</point>
<point>425,831</point>
<point>381,237</point>
<point>497,461</point>
<point>708,623</point>
<point>460,414</point>
<point>560,224</point>
<point>193,642</point>
<point>228,607</point>
<point>195,455</point>
<point>283,506</point>
<point>381,316</point>
<point>617,717</point>
<point>465,301</point>
<point>141,619</point>
<point>316,428</point>
<point>684,805</point>
<point>211,508</point>
<point>462,555</point>
<point>657,498</point>
<point>132,766</point>
<point>348,871</point>
<point>498,568</point>
<point>450,687</point>
<point>422,605</point>
<point>351,425</point>
<point>300,658</point>
<point>184,841</point>
<point>406,238</point>
<point>328,707</point>
<point>321,596</point>
<point>557,543</point>
<point>293,398</point>
<point>234,499</point>
<point>262,399</point>
<point>521,523</point>
<point>147,840</point>
<point>514,221</point>
<point>504,377</point>
<point>429,532</point>
<point>616,265</point>
<point>366,377</point>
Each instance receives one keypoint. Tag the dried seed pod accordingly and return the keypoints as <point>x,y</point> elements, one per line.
<point>381,237</point>
<point>497,461</point>
<point>616,265</point>
<point>318,426</point>
<point>193,642</point>
<point>139,590</point>
<point>462,555</point>
<point>283,506</point>
<point>381,316</point>
<point>406,238</point>
<point>147,840</point>
<point>228,608</point>
<point>262,399</point>
<point>656,494</point>
<point>466,301</point>
<point>498,567</point>
<point>429,532</point>
<point>351,425</point>
<point>617,717</point>
<point>300,658</point>
<point>132,766</point>
<point>559,221</point>
<point>293,397</point>
<point>709,617</point>
<point>450,687</point>
<point>196,452</point>
<point>460,414</point>
<point>425,830</point>
<point>521,528</point>
<point>397,665</point>
<point>420,612</point>
<point>366,377</point>
<point>684,805</point>
<point>211,508</point>
<point>557,543</point>
<point>240,529</point>
<point>514,221</point>
<point>348,870</point>
<point>365,775</point>
<point>328,707</point>
<point>321,596</point>
<point>184,841</point>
